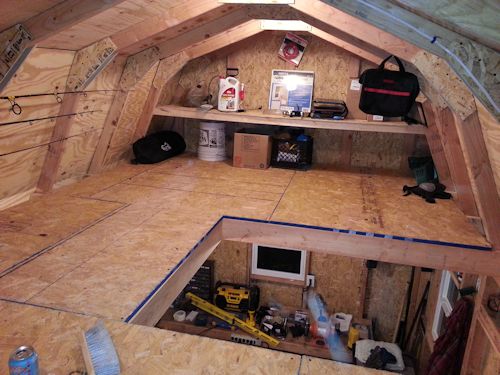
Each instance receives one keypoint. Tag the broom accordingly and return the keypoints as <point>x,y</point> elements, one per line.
<point>99,352</point>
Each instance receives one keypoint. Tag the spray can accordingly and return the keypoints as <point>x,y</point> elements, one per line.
<point>231,94</point>
<point>23,360</point>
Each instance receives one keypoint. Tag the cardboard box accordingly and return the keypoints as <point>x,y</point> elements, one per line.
<point>352,100</point>
<point>252,151</point>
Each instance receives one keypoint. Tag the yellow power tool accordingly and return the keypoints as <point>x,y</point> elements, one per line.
<point>231,319</point>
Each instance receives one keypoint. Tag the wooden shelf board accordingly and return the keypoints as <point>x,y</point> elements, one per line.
<point>258,117</point>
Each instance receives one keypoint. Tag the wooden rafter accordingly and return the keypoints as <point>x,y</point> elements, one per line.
<point>64,15</point>
<point>220,25</point>
<point>437,78</point>
<point>481,175</point>
<point>475,64</point>
<point>442,122</point>
<point>179,19</point>
<point>221,40</point>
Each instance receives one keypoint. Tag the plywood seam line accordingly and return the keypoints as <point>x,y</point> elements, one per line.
<point>59,309</point>
<point>54,245</point>
<point>282,195</point>
<point>435,39</point>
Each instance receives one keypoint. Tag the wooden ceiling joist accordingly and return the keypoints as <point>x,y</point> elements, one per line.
<point>179,19</point>
<point>220,25</point>
<point>221,40</point>
<point>64,15</point>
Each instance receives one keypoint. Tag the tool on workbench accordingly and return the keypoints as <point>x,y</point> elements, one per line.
<point>99,352</point>
<point>236,297</point>
<point>230,318</point>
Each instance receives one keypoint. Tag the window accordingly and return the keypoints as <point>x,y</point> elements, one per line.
<point>277,263</point>
<point>448,296</point>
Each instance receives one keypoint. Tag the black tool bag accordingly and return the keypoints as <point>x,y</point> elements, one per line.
<point>158,147</point>
<point>387,92</point>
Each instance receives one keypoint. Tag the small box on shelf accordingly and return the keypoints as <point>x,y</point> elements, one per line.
<point>381,118</point>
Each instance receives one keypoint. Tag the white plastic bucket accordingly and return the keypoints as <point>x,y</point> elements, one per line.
<point>212,143</point>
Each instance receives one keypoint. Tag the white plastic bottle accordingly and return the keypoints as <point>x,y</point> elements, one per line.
<point>230,94</point>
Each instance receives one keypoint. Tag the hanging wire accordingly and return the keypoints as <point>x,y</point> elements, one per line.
<point>16,108</point>
<point>48,118</point>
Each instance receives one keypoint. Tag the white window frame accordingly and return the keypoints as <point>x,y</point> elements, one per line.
<point>256,272</point>
<point>443,303</point>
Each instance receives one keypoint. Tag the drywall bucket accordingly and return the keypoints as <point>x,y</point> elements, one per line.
<point>212,144</point>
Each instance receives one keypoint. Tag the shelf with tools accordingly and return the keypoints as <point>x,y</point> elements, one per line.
<point>263,118</point>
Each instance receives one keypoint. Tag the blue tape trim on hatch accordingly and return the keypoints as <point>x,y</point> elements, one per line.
<point>314,227</point>
<point>175,268</point>
<point>365,234</point>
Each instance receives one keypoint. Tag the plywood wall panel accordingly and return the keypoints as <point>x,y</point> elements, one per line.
<point>32,108</point>
<point>20,171</point>
<point>19,137</point>
<point>77,155</point>
<point>120,144</point>
<point>255,58</point>
<point>386,296</point>
<point>44,71</point>
<point>338,279</point>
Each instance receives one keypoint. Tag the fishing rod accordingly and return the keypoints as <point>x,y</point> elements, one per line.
<point>49,117</point>
<point>16,109</point>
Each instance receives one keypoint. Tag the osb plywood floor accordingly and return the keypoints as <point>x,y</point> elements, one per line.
<point>144,350</point>
<point>98,247</point>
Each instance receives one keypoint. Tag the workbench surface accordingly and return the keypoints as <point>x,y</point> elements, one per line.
<point>98,247</point>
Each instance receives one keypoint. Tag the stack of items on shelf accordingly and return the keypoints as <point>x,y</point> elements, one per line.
<point>329,109</point>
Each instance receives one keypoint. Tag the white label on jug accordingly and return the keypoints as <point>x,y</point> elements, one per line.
<point>203,138</point>
<point>355,85</point>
